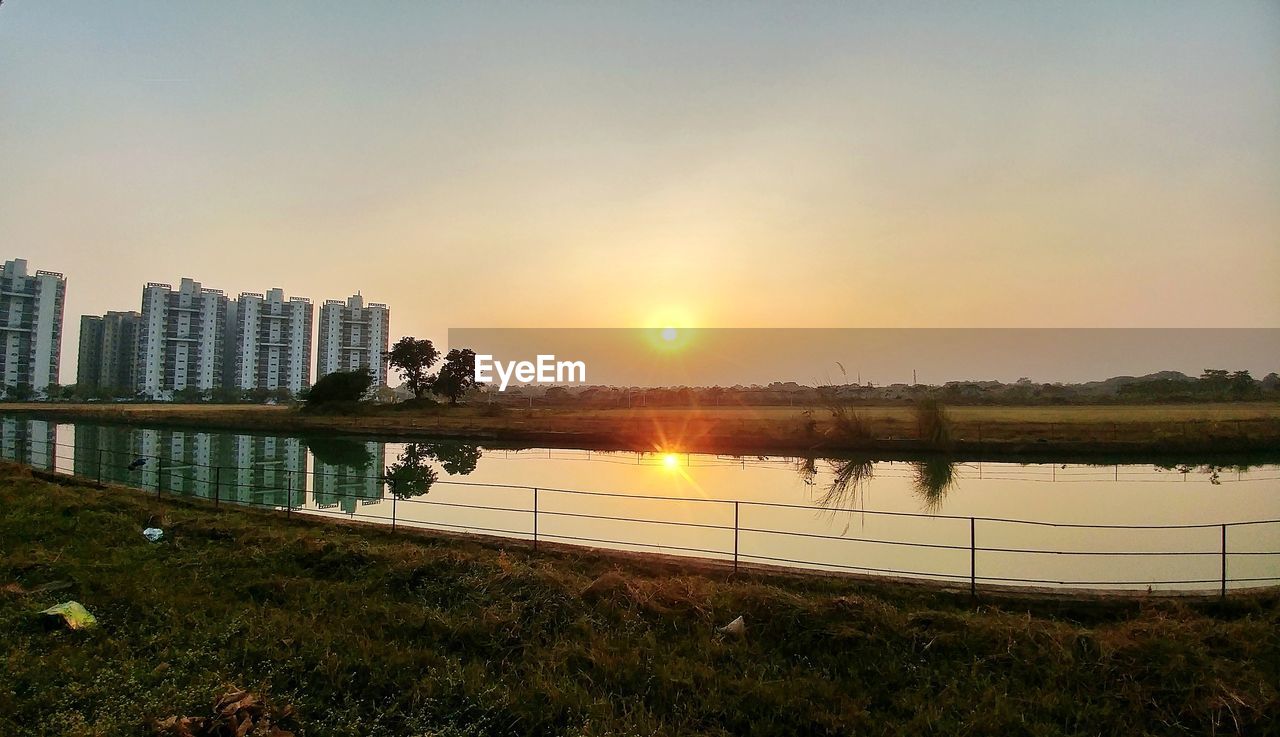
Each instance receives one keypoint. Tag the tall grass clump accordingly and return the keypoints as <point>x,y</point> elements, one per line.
<point>848,424</point>
<point>933,422</point>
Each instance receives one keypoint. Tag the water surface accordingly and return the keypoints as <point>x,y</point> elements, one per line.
<point>1000,523</point>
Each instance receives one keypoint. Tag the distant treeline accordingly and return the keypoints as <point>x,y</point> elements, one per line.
<point>1213,385</point>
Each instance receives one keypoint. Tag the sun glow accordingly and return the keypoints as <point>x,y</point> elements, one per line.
<point>669,318</point>
<point>671,460</point>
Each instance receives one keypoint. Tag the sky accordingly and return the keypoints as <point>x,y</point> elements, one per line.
<point>985,164</point>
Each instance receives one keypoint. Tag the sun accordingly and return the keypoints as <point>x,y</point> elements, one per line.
<point>670,339</point>
<point>670,460</point>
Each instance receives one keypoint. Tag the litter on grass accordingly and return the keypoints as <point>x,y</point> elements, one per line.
<point>737,628</point>
<point>236,712</point>
<point>72,615</point>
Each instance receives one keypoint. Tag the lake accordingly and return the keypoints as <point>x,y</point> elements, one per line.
<point>1047,524</point>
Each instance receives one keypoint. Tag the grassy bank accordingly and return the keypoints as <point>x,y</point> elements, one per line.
<point>1110,431</point>
<point>366,632</point>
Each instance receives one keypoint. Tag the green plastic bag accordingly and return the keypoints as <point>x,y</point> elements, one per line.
<point>73,615</point>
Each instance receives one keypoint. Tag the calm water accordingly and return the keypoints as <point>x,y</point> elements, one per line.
<point>904,518</point>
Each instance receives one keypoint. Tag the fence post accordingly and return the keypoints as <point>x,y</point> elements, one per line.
<point>735,535</point>
<point>217,484</point>
<point>288,493</point>
<point>159,474</point>
<point>394,497</point>
<point>1222,593</point>
<point>535,518</point>
<point>100,452</point>
<point>973,557</point>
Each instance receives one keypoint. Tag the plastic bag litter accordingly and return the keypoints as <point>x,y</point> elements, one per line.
<point>737,628</point>
<point>73,615</point>
<point>153,534</point>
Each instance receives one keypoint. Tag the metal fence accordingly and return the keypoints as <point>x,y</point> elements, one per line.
<point>1220,556</point>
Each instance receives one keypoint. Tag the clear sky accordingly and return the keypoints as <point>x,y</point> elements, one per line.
<point>600,164</point>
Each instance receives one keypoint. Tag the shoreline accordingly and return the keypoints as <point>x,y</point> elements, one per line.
<point>1026,594</point>
<point>1214,433</point>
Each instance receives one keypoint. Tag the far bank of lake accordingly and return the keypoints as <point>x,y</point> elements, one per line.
<point>1067,432</point>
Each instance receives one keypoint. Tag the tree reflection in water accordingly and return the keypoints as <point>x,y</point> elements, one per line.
<point>932,478</point>
<point>342,452</point>
<point>412,474</point>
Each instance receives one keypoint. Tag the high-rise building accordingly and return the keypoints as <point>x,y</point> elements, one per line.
<point>181,336</point>
<point>107,351</point>
<point>31,327</point>
<point>89,356</point>
<point>353,336</point>
<point>269,342</point>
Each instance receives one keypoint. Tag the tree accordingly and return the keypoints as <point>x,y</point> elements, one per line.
<point>20,392</point>
<point>227,395</point>
<point>1216,379</point>
<point>1242,384</point>
<point>457,375</point>
<point>413,358</point>
<point>340,386</point>
<point>190,394</point>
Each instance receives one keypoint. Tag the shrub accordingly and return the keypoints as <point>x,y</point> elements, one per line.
<point>340,386</point>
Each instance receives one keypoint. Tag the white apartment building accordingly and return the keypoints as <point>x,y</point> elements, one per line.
<point>180,339</point>
<point>30,326</point>
<point>353,336</point>
<point>269,342</point>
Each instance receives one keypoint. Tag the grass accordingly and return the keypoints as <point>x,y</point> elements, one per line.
<point>366,632</point>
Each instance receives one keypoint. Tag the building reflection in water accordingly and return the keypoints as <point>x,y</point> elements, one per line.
<point>347,473</point>
<point>248,469</point>
<point>268,470</point>
<point>31,442</point>
<point>106,452</point>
